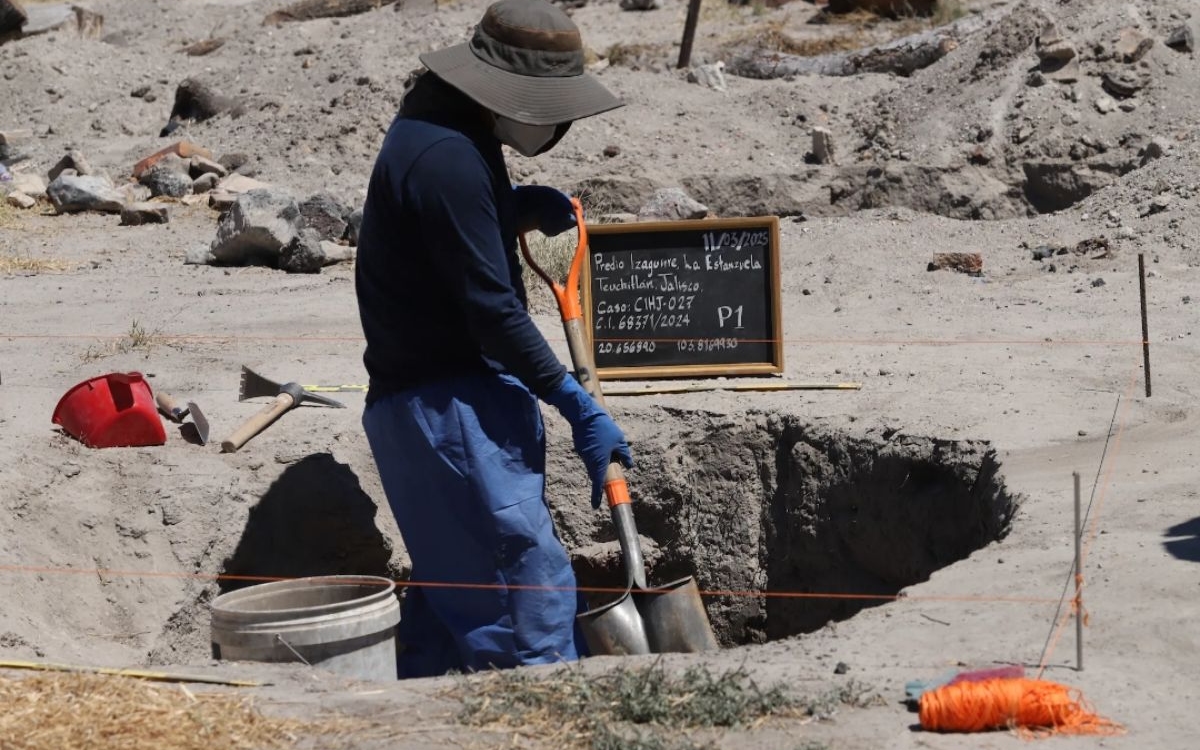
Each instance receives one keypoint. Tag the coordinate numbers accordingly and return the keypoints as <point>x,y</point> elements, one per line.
<point>706,345</point>
<point>625,347</point>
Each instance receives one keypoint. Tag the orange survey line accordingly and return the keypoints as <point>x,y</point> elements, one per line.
<point>201,337</point>
<point>114,573</point>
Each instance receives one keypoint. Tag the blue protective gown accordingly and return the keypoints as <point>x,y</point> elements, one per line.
<point>452,415</point>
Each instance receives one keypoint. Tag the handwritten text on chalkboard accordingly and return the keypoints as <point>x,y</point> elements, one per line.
<point>677,295</point>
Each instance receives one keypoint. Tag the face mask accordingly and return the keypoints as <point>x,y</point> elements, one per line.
<point>528,140</point>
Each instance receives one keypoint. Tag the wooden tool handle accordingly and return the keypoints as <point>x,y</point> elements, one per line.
<point>257,423</point>
<point>169,406</point>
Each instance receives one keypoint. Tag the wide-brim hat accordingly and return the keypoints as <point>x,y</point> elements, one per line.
<point>525,62</point>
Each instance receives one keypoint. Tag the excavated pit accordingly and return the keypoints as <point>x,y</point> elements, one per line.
<point>749,503</point>
<point>759,503</point>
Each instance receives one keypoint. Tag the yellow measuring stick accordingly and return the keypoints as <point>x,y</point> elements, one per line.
<point>136,673</point>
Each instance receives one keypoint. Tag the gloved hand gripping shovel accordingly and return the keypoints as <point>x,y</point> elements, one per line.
<point>643,620</point>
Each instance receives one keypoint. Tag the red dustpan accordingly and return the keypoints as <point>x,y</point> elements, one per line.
<point>111,411</point>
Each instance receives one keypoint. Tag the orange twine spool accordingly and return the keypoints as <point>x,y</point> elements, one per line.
<point>1013,703</point>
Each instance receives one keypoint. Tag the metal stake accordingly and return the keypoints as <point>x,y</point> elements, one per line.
<point>1145,322</point>
<point>1078,580</point>
<point>689,33</point>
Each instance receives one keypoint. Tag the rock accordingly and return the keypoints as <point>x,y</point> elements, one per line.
<point>1052,49</point>
<point>28,183</point>
<point>134,192</point>
<point>17,199</point>
<point>182,149</point>
<point>1133,44</point>
<point>1097,282</point>
<point>822,146</point>
<point>205,183</point>
<point>12,16</point>
<point>75,193</point>
<point>1158,204</point>
<point>641,4</point>
<point>237,162</point>
<point>353,224</point>
<point>220,201</point>
<point>137,214</point>
<point>1181,39</point>
<point>1104,105</point>
<point>611,150</point>
<point>325,214</point>
<point>200,165</point>
<point>711,76</point>
<point>196,101</point>
<point>671,204</point>
<point>1035,78</point>
<point>1044,252</point>
<point>1125,82</point>
<point>10,138</point>
<point>890,8</point>
<point>303,254</point>
<point>335,253</point>
<point>73,160</point>
<point>969,263</point>
<point>256,229</point>
<point>165,179</point>
<point>51,16</point>
<point>1068,72</point>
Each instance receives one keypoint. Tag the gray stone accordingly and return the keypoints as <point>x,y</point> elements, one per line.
<point>28,183</point>
<point>335,253</point>
<point>235,162</point>
<point>1181,39</point>
<point>164,179</point>
<point>324,214</point>
<point>200,166</point>
<point>17,199</point>
<point>205,183</point>
<point>137,214</point>
<point>256,229</point>
<point>711,76</point>
<point>73,160</point>
<point>133,192</point>
<point>671,204</point>
<point>9,138</point>
<point>303,254</point>
<point>353,224</point>
<point>1051,47</point>
<point>1155,149</point>
<point>1067,72</point>
<point>1104,105</point>
<point>641,4</point>
<point>75,193</point>
<point>822,146</point>
<point>1133,44</point>
<point>1125,82</point>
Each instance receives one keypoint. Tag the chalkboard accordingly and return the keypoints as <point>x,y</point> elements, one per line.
<point>684,298</point>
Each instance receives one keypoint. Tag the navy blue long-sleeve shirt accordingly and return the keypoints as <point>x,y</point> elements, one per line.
<point>438,279</point>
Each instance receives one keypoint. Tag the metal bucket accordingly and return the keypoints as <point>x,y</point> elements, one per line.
<point>346,624</point>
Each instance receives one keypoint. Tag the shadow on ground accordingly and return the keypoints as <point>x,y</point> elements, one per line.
<point>1184,543</point>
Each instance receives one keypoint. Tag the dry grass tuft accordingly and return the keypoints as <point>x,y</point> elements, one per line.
<point>624,709</point>
<point>27,264</point>
<point>81,712</point>
<point>770,36</point>
<point>137,338</point>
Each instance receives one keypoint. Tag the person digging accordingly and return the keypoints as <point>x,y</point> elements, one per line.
<point>456,365</point>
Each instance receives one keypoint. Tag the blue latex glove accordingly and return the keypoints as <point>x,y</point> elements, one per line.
<point>543,208</point>
<point>598,440</point>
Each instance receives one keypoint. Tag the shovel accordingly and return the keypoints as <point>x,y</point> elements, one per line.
<point>643,620</point>
<point>171,409</point>
<point>287,397</point>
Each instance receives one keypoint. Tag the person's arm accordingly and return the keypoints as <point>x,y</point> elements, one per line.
<point>451,189</point>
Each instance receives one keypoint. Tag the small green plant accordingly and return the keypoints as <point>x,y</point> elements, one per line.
<point>623,709</point>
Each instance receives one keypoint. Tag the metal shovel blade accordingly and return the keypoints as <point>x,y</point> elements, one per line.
<point>615,629</point>
<point>200,421</point>
<point>674,618</point>
<point>254,385</point>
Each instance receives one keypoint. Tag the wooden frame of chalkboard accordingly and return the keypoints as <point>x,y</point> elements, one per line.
<point>684,298</point>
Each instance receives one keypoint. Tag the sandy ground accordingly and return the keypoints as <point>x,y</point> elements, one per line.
<point>107,557</point>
